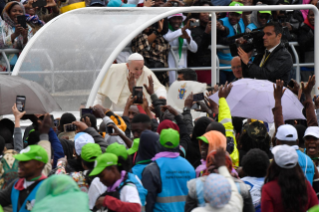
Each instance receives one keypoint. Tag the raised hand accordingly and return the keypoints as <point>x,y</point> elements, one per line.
<point>308,88</point>
<point>150,87</point>
<point>225,90</point>
<point>279,90</point>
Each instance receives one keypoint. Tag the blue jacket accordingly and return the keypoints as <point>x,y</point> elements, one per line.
<point>138,169</point>
<point>224,55</point>
<point>174,173</point>
<point>307,166</point>
<point>29,201</point>
<point>252,26</point>
<point>166,181</point>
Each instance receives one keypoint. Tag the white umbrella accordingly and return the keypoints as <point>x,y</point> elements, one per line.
<point>38,100</point>
<point>254,99</point>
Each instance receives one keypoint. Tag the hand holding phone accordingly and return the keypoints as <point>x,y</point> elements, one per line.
<point>138,93</point>
<point>198,97</point>
<point>39,3</point>
<point>69,128</point>
<point>22,21</point>
<point>20,101</point>
<point>194,23</point>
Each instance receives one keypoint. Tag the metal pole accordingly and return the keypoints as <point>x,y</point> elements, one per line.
<point>297,63</point>
<point>213,49</point>
<point>316,47</point>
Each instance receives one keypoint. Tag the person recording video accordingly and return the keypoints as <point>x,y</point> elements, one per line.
<point>275,63</point>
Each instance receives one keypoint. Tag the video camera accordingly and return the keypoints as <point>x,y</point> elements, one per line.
<point>284,16</point>
<point>254,42</point>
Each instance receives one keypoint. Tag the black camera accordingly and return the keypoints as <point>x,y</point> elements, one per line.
<point>255,42</point>
<point>284,16</point>
<point>174,4</point>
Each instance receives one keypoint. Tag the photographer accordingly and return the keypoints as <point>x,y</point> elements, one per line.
<point>275,63</point>
<point>13,35</point>
<point>290,19</point>
<point>235,25</point>
<point>180,36</point>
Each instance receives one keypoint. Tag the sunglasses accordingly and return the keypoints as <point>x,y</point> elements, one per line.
<point>266,17</point>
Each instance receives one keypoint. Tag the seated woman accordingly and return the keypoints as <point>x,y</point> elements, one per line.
<point>13,34</point>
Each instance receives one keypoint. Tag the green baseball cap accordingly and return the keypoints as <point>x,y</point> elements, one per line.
<point>117,149</point>
<point>33,152</point>
<point>265,11</point>
<point>169,138</point>
<point>90,152</point>
<point>235,3</point>
<point>103,161</point>
<point>203,138</point>
<point>134,148</point>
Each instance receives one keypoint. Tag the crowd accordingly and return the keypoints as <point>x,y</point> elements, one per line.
<point>189,35</point>
<point>156,156</point>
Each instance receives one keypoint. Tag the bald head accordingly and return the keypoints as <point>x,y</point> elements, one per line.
<point>133,110</point>
<point>236,67</point>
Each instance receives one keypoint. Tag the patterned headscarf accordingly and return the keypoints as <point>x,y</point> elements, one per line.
<point>217,190</point>
<point>6,12</point>
<point>34,19</point>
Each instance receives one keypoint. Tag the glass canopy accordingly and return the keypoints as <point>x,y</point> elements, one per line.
<point>67,55</point>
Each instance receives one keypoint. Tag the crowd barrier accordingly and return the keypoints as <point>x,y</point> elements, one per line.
<point>292,45</point>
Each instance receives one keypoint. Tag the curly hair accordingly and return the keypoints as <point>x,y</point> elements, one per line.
<point>255,163</point>
<point>249,143</point>
<point>293,186</point>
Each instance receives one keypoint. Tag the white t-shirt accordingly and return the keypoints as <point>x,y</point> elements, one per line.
<point>129,192</point>
<point>96,189</point>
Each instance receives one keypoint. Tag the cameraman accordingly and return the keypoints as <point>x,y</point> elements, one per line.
<point>274,64</point>
<point>289,19</point>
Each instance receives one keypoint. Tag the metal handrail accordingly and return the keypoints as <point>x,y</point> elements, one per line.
<point>218,68</point>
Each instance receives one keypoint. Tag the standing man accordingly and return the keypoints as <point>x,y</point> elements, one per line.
<point>180,36</point>
<point>21,193</point>
<point>166,178</point>
<point>115,90</point>
<point>274,64</point>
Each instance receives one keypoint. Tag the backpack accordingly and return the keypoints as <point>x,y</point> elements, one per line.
<point>131,178</point>
<point>9,173</point>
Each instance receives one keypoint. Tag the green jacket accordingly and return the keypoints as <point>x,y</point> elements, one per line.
<point>224,117</point>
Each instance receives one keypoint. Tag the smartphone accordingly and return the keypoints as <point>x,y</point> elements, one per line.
<point>194,23</point>
<point>86,111</point>
<point>56,122</point>
<point>20,101</point>
<point>69,127</point>
<point>110,130</point>
<point>198,97</point>
<point>291,84</point>
<point>138,93</point>
<point>39,3</point>
<point>22,21</point>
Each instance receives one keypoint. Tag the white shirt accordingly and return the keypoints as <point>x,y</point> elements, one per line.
<point>128,193</point>
<point>272,49</point>
<point>172,38</point>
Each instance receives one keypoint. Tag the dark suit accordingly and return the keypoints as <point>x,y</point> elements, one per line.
<point>277,66</point>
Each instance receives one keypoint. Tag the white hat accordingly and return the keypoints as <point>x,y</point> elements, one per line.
<point>287,132</point>
<point>80,140</point>
<point>177,15</point>
<point>312,131</point>
<point>135,56</point>
<point>285,156</point>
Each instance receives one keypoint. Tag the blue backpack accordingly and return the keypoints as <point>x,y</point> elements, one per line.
<point>131,178</point>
